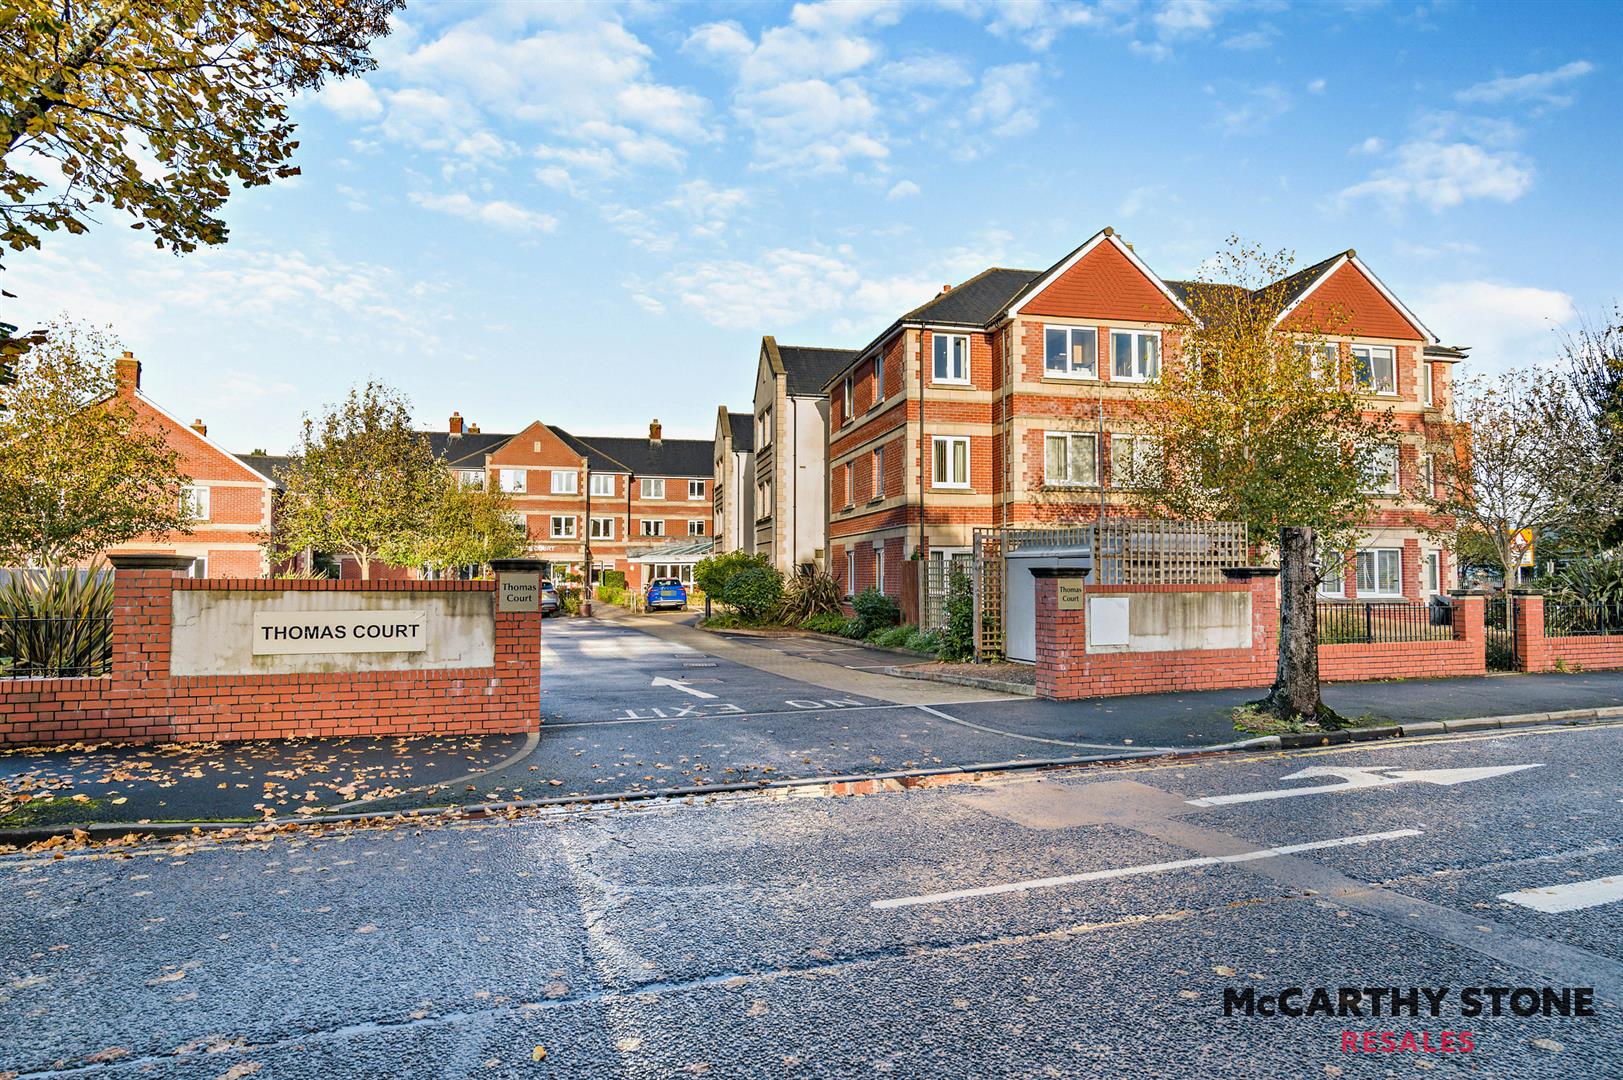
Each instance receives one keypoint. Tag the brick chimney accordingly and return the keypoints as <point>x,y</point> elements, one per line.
<point>200,427</point>
<point>456,423</point>
<point>127,374</point>
<point>945,289</point>
<point>653,431</point>
<point>473,429</point>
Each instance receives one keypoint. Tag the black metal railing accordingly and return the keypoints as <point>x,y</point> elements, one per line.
<point>1381,623</point>
<point>55,648</point>
<point>1573,618</point>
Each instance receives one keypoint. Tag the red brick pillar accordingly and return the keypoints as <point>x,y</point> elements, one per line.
<point>1062,638</point>
<point>143,614</point>
<point>1533,651</point>
<point>1411,568</point>
<point>518,649</point>
<point>1469,609</point>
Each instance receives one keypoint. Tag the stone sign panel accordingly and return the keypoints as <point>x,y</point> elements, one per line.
<point>1068,593</point>
<point>518,592</point>
<point>281,633</point>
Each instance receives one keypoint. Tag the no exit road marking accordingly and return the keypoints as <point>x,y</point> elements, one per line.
<point>1353,779</point>
<point>1570,896</point>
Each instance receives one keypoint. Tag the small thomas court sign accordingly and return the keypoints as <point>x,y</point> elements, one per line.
<point>306,632</point>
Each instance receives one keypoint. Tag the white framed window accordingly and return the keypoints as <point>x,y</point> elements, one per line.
<point>763,428</point>
<point>565,482</point>
<point>1325,358</point>
<point>515,481</point>
<point>1070,459</point>
<point>200,567</point>
<point>653,526</point>
<point>563,526</point>
<point>850,483</point>
<point>1071,352</point>
<point>845,401</point>
<point>1382,471</point>
<point>602,484</point>
<point>1428,387</point>
<point>1380,572</point>
<point>653,487</point>
<point>695,526</point>
<point>1428,476</point>
<point>951,358</point>
<point>602,528</point>
<point>1434,572</point>
<point>876,489</point>
<point>850,573</point>
<point>1375,369</point>
<point>878,379</point>
<point>879,569</point>
<point>695,490</point>
<point>472,477</point>
<point>763,500</point>
<point>1332,574</point>
<point>942,561</point>
<point>1135,355</point>
<point>1132,459</point>
<point>194,502</point>
<point>950,460</point>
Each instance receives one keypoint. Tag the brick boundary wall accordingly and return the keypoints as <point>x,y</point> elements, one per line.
<point>139,701</point>
<point>1535,652</point>
<point>1466,654</point>
<point>1066,671</point>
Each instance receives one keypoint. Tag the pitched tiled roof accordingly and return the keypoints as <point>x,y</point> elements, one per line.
<point>807,369</point>
<point>668,457</point>
<point>467,450</point>
<point>265,464</point>
<point>977,301</point>
<point>596,459</point>
<point>742,427</point>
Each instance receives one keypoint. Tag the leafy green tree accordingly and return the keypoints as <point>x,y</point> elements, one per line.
<point>80,471</point>
<point>1270,428</point>
<point>362,482</point>
<point>467,525</point>
<point>958,638</point>
<point>154,107</point>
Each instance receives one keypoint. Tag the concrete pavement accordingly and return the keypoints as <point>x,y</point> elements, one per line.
<point>763,937</point>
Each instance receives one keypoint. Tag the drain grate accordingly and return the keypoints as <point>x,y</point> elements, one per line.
<point>698,665</point>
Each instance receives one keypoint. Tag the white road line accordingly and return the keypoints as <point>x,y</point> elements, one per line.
<point>1134,871</point>
<point>1572,896</point>
<point>1356,778</point>
<point>933,711</point>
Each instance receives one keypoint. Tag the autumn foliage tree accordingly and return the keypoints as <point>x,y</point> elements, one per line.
<point>157,107</point>
<point>79,472</point>
<point>1256,425</point>
<point>362,482</point>
<point>468,525</point>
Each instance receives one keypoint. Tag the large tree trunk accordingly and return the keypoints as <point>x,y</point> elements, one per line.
<point>1295,694</point>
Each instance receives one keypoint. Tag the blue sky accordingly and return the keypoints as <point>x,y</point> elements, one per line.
<point>589,215</point>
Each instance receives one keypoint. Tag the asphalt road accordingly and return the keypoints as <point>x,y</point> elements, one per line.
<point>920,933</point>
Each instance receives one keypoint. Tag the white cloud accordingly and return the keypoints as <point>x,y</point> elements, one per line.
<point>1186,18</point>
<point>1443,175</point>
<point>352,99</point>
<point>1140,199</point>
<point>1542,86</point>
<point>1372,145</point>
<point>1037,23</point>
<point>1251,40</point>
<point>1316,86</point>
<point>1006,102</point>
<point>498,213</point>
<point>902,189</point>
<point>1506,326</point>
<point>1259,108</point>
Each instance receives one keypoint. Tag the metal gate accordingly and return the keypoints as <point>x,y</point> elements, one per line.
<point>1499,627</point>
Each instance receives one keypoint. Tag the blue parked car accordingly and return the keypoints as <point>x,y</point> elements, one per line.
<point>666,592</point>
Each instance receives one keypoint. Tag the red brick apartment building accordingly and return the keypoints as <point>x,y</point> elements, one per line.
<point>627,498</point>
<point>985,405</point>
<point>229,500</point>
